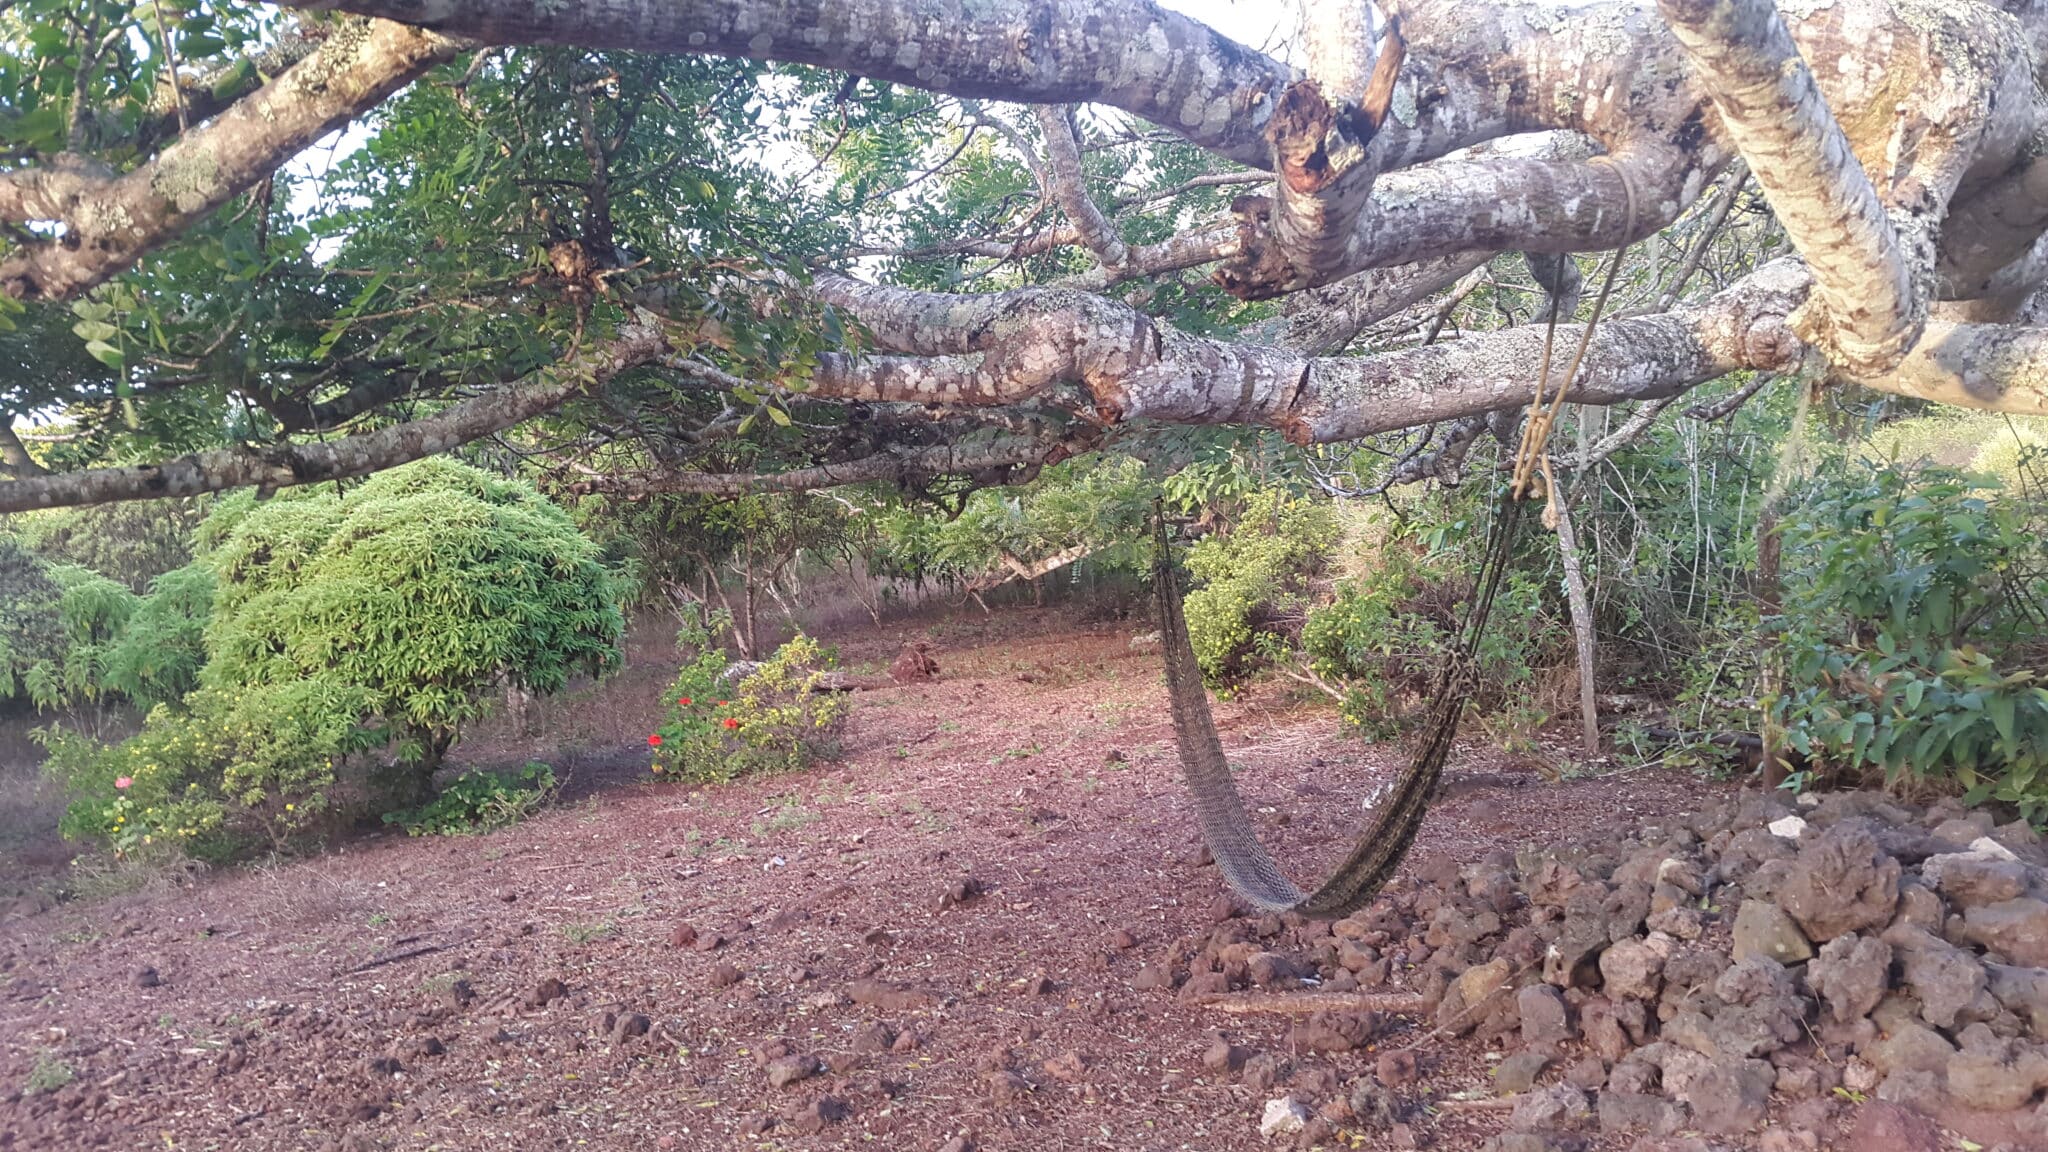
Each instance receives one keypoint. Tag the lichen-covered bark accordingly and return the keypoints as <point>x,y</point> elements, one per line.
<point>995,459</point>
<point>1128,54</point>
<point>1323,321</point>
<point>1870,310</point>
<point>1322,131</point>
<point>1006,347</point>
<point>289,464</point>
<point>109,221</point>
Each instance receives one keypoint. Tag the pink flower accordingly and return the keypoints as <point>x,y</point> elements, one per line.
<point>124,782</point>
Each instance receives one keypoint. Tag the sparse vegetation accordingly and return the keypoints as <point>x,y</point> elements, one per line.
<point>49,1073</point>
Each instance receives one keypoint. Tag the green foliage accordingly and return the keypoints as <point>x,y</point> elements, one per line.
<point>1255,579</point>
<point>424,588</point>
<point>93,610</point>
<point>319,627</point>
<point>229,766</point>
<point>158,656</point>
<point>1095,503</point>
<point>49,1073</point>
<point>31,628</point>
<point>58,625</point>
<point>773,720</point>
<point>133,543</point>
<point>1915,623</point>
<point>1386,632</point>
<point>478,801</point>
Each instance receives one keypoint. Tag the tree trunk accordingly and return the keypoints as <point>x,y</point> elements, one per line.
<point>1582,629</point>
<point>1767,590</point>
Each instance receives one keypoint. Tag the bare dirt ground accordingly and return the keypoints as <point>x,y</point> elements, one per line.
<point>540,988</point>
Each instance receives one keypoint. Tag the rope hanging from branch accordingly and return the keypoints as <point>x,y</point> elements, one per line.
<point>1227,828</point>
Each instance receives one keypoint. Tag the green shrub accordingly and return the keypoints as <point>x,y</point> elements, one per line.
<point>1386,634</point>
<point>58,624</point>
<point>131,542</point>
<point>1255,579</point>
<point>331,626</point>
<point>480,802</point>
<point>425,588</point>
<point>229,766</point>
<point>773,720</point>
<point>157,657</point>
<point>31,630</point>
<point>1914,627</point>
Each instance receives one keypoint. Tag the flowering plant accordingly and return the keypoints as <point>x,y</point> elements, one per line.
<point>720,725</point>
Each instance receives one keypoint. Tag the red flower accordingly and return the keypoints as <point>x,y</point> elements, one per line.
<point>729,722</point>
<point>723,703</point>
<point>685,701</point>
<point>654,741</point>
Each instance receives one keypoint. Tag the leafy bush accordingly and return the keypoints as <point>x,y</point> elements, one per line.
<point>132,542</point>
<point>31,631</point>
<point>1385,636</point>
<point>480,802</point>
<point>58,623</point>
<point>329,625</point>
<point>1255,578</point>
<point>425,588</point>
<point>157,657</point>
<point>1096,503</point>
<point>230,765</point>
<point>773,720</point>
<point>1915,623</point>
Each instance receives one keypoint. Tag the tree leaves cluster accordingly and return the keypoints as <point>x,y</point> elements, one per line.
<point>320,629</point>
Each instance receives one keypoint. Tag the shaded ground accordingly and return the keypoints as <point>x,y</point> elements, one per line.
<point>385,995</point>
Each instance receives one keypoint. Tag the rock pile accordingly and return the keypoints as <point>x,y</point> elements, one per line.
<point>1698,973</point>
<point>915,664</point>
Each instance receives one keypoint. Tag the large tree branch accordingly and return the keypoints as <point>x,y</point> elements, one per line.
<point>285,465</point>
<point>993,460</point>
<point>1004,348</point>
<point>109,222</point>
<point>1068,186</point>
<point>1322,132</point>
<point>1867,311</point>
<point>1128,54</point>
<point>1942,100</point>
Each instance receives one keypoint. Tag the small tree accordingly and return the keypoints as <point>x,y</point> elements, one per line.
<point>157,658</point>
<point>426,588</point>
<point>329,625</point>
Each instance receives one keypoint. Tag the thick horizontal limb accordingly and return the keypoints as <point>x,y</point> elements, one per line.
<point>1128,54</point>
<point>286,465</point>
<point>1002,348</point>
<point>997,456</point>
<point>109,221</point>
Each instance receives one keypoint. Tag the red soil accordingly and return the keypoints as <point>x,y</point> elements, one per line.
<point>315,1003</point>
